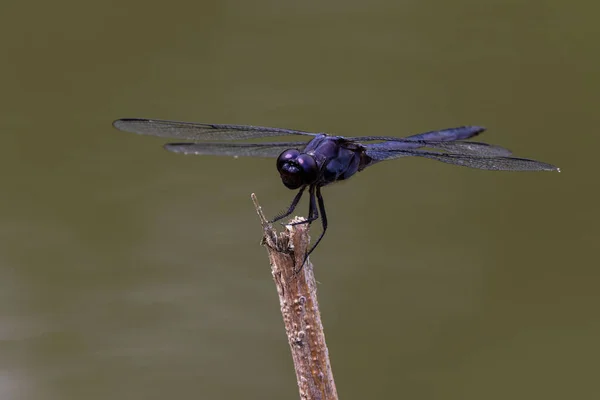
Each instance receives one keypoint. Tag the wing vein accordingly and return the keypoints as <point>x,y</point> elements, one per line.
<point>198,131</point>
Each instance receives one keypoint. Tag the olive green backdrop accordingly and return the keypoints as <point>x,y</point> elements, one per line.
<point>127,272</point>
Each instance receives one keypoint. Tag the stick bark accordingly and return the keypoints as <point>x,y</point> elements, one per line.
<point>297,290</point>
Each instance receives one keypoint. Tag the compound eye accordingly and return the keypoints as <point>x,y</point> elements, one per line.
<point>297,169</point>
<point>309,168</point>
<point>286,157</point>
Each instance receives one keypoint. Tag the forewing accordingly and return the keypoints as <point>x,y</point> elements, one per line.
<point>198,131</point>
<point>488,163</point>
<point>270,150</point>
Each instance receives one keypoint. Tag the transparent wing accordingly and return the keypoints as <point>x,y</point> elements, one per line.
<point>467,148</point>
<point>234,149</point>
<point>489,163</point>
<point>446,139</point>
<point>443,135</point>
<point>198,132</point>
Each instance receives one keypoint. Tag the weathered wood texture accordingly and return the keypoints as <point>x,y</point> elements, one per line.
<point>297,292</point>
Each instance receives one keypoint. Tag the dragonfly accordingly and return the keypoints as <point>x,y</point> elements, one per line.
<point>321,159</point>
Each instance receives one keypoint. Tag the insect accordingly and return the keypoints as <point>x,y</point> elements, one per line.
<point>325,159</point>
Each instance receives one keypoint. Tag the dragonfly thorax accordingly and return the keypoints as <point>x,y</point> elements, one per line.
<point>297,169</point>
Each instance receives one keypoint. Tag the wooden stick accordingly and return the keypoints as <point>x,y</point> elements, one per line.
<point>297,292</point>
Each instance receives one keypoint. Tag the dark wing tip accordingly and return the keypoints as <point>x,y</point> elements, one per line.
<point>117,122</point>
<point>476,130</point>
<point>177,147</point>
<point>123,124</point>
<point>551,168</point>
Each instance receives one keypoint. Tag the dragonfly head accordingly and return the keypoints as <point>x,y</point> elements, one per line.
<point>297,169</point>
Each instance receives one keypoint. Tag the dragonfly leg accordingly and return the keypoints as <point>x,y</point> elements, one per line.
<point>313,213</point>
<point>323,222</point>
<point>291,208</point>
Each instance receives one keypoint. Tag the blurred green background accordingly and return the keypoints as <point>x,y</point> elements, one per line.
<point>128,272</point>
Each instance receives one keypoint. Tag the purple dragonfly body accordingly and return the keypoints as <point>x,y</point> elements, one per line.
<point>325,158</point>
